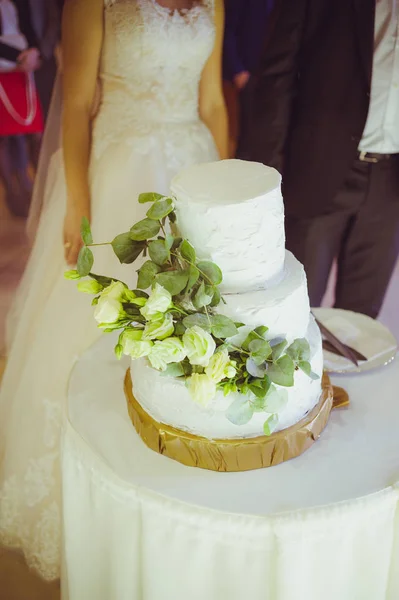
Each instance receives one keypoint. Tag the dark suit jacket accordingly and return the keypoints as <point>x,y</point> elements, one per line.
<point>309,102</point>
<point>245,23</point>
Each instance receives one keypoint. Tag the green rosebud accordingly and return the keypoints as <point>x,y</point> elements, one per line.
<point>71,274</point>
<point>90,286</point>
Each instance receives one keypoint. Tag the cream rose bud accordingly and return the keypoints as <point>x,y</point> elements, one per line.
<point>108,310</point>
<point>160,329</point>
<point>90,286</point>
<point>115,290</point>
<point>166,352</point>
<point>159,301</point>
<point>202,388</point>
<point>199,346</point>
<point>220,367</point>
<point>133,344</point>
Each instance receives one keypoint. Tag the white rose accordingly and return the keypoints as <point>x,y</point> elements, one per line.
<point>159,329</point>
<point>202,388</point>
<point>220,367</point>
<point>108,311</point>
<point>159,301</point>
<point>199,346</point>
<point>133,344</point>
<point>166,352</point>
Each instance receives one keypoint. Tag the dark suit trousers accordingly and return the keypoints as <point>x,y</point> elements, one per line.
<point>362,233</point>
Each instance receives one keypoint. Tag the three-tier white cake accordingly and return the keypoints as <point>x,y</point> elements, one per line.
<point>232,213</point>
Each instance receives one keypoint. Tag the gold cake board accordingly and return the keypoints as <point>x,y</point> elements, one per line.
<point>234,454</point>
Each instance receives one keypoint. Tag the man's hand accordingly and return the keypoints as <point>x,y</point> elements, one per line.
<point>29,60</point>
<point>241,79</point>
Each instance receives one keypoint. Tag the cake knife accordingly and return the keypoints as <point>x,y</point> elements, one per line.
<point>328,346</point>
<point>342,348</point>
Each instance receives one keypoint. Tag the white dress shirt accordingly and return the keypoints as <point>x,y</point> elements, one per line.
<point>381,133</point>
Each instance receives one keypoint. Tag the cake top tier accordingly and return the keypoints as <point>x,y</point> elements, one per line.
<point>232,213</point>
<point>226,182</point>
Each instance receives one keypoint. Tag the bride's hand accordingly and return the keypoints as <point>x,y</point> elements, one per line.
<point>72,236</point>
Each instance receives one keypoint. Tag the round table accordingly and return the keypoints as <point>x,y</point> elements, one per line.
<point>139,526</point>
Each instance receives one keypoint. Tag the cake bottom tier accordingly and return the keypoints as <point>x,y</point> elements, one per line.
<point>168,401</point>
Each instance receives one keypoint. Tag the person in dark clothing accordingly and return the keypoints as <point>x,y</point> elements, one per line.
<point>245,24</point>
<point>325,112</point>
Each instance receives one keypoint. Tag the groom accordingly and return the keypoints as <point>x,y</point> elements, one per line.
<point>325,112</point>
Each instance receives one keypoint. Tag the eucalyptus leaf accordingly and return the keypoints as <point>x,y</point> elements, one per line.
<point>306,367</point>
<point>169,241</point>
<point>193,276</point>
<point>187,251</point>
<point>212,272</point>
<point>282,371</point>
<point>270,425</point>
<point>180,328</point>
<point>150,197</point>
<point>173,281</point>
<point>126,249</point>
<point>161,209</point>
<point>174,370</point>
<point>223,327</point>
<point>254,369</point>
<point>202,297</point>
<point>277,349</point>
<point>260,351</point>
<point>199,320</point>
<point>299,350</point>
<point>252,335</point>
<point>261,330</point>
<point>145,230</point>
<point>260,387</point>
<point>258,404</point>
<point>216,298</point>
<point>240,411</point>
<point>147,274</point>
<point>85,231</point>
<point>276,399</point>
<point>85,261</point>
<point>159,252</point>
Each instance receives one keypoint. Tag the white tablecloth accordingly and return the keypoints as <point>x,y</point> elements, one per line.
<point>139,526</point>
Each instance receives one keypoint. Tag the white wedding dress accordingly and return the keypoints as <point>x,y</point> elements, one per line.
<point>147,128</point>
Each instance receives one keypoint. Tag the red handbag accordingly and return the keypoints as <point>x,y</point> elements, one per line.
<point>20,110</point>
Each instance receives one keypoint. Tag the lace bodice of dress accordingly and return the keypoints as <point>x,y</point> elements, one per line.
<point>151,64</point>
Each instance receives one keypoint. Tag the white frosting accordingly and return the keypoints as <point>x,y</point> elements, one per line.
<point>168,401</point>
<point>283,307</point>
<point>232,213</point>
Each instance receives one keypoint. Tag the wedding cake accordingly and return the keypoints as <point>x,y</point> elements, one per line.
<point>232,214</point>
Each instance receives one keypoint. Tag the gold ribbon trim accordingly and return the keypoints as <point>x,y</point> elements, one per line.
<point>234,454</point>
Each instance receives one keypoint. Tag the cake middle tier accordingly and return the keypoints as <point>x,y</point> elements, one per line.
<point>232,212</point>
<point>282,307</point>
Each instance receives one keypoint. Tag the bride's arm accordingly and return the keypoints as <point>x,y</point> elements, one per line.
<point>211,101</point>
<point>82,34</point>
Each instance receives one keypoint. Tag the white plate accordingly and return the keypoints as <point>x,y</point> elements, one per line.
<point>360,332</point>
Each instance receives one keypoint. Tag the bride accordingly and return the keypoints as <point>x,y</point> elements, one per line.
<point>158,64</point>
